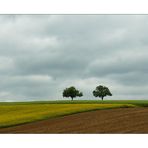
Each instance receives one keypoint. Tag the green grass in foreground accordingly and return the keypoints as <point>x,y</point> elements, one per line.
<point>19,113</point>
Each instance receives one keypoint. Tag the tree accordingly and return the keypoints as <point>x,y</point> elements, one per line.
<point>72,92</point>
<point>101,91</point>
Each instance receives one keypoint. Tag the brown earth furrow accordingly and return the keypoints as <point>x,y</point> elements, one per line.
<point>123,120</point>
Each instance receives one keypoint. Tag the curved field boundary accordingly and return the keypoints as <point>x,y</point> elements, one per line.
<point>15,114</point>
<point>120,120</point>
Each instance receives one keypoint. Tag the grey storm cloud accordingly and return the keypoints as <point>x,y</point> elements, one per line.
<point>40,55</point>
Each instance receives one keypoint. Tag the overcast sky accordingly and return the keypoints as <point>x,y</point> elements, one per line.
<point>40,55</point>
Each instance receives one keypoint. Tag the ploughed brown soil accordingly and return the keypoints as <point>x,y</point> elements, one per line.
<point>123,120</point>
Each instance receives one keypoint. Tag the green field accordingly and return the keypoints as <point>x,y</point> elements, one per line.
<point>15,113</point>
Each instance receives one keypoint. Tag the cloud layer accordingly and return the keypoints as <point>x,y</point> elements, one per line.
<point>40,55</point>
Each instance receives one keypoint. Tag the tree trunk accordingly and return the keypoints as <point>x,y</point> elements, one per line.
<point>72,98</point>
<point>102,98</point>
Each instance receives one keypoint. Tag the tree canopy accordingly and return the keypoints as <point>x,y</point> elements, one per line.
<point>101,91</point>
<point>72,92</point>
